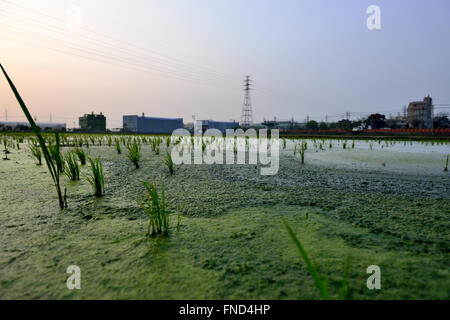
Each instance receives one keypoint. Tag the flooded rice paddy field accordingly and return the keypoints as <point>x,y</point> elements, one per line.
<point>380,205</point>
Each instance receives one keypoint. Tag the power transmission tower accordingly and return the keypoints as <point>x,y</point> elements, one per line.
<point>247,115</point>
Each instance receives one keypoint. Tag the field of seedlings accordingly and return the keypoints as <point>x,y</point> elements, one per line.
<point>140,226</point>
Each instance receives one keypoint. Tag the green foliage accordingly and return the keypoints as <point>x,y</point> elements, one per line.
<point>169,162</point>
<point>155,207</point>
<point>48,159</point>
<point>96,177</point>
<point>37,153</point>
<point>320,281</point>
<point>117,143</point>
<point>72,169</point>
<point>302,152</point>
<point>55,151</point>
<point>82,156</point>
<point>134,153</point>
<point>179,219</point>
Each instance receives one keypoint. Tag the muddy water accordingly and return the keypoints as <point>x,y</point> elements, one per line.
<point>231,243</point>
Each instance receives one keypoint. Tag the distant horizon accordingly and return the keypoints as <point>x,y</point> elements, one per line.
<point>179,59</point>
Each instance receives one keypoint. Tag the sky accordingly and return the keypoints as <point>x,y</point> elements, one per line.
<point>189,58</point>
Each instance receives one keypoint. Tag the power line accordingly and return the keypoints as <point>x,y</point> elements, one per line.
<point>159,56</point>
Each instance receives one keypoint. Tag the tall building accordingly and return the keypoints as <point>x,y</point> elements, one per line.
<point>93,122</point>
<point>420,113</point>
<point>151,124</point>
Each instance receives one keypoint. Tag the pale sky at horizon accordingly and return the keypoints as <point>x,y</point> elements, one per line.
<point>179,58</point>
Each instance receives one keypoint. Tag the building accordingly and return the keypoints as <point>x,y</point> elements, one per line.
<point>420,114</point>
<point>222,126</point>
<point>24,126</point>
<point>151,124</point>
<point>283,125</point>
<point>93,122</point>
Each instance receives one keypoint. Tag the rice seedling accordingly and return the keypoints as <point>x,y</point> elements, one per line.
<point>302,152</point>
<point>109,141</point>
<point>37,153</point>
<point>96,177</point>
<point>72,169</point>
<point>155,207</point>
<point>134,153</point>
<point>179,218</point>
<point>446,164</point>
<point>169,163</point>
<point>55,152</point>
<point>48,159</point>
<point>119,150</point>
<point>167,142</point>
<point>81,155</point>
<point>320,281</point>
<point>6,151</point>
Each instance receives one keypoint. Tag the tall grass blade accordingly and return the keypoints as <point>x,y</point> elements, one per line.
<point>320,284</point>
<point>51,166</point>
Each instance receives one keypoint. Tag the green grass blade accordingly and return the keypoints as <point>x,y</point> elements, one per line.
<point>317,280</point>
<point>50,164</point>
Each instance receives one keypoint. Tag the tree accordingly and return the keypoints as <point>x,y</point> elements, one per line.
<point>441,122</point>
<point>323,126</point>
<point>376,121</point>
<point>344,124</point>
<point>312,125</point>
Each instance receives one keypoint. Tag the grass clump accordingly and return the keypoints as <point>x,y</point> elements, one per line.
<point>96,177</point>
<point>72,169</point>
<point>82,156</point>
<point>169,162</point>
<point>55,152</point>
<point>302,152</point>
<point>134,153</point>
<point>37,153</point>
<point>155,207</point>
<point>117,143</point>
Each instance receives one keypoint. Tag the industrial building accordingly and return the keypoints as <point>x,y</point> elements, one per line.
<point>93,122</point>
<point>154,125</point>
<point>24,126</point>
<point>222,126</point>
<point>420,114</point>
